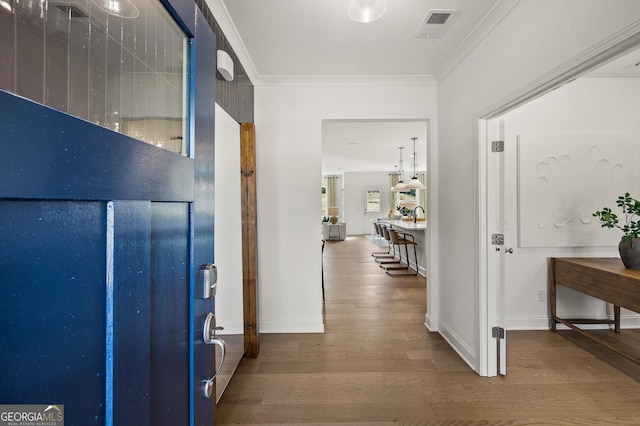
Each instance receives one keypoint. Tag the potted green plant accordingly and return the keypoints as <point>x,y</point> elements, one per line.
<point>629,246</point>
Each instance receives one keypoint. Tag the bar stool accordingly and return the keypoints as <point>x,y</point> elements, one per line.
<point>395,263</point>
<point>389,257</point>
<point>403,239</point>
<point>378,227</point>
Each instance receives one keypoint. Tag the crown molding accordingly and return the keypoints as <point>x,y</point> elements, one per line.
<point>230,31</point>
<point>221,14</point>
<point>346,80</point>
<point>497,13</point>
<point>617,44</point>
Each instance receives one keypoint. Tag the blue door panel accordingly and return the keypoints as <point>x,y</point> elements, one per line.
<point>52,307</point>
<point>50,154</point>
<point>145,364</point>
<point>203,209</point>
<point>183,12</point>
<point>131,313</point>
<point>170,313</point>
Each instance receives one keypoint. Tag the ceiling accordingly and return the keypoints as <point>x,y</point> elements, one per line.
<point>316,39</point>
<point>372,146</point>
<point>626,66</point>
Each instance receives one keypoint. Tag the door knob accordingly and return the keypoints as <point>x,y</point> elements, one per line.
<point>209,337</point>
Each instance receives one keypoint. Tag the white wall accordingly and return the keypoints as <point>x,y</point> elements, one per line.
<point>536,37</point>
<point>228,224</point>
<point>356,186</point>
<point>585,106</point>
<point>288,170</point>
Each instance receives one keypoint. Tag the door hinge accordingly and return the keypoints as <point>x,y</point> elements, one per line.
<point>497,239</point>
<point>497,332</point>
<point>497,146</point>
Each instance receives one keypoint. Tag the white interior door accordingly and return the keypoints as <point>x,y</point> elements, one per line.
<point>372,208</point>
<point>229,307</point>
<point>497,250</point>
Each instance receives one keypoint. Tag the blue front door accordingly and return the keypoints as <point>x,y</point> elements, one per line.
<point>101,236</point>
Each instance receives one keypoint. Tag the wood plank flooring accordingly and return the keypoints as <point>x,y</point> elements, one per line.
<point>376,364</point>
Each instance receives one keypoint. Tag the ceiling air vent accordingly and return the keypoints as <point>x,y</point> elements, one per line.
<point>437,23</point>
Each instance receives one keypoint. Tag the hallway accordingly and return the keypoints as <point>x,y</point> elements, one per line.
<point>377,364</point>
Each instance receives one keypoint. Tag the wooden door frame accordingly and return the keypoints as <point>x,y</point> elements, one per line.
<point>249,239</point>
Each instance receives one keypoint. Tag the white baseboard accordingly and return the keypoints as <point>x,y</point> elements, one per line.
<point>465,352</point>
<point>430,323</point>
<point>412,265</point>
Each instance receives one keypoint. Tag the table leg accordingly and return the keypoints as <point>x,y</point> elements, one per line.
<point>616,317</point>
<point>551,278</point>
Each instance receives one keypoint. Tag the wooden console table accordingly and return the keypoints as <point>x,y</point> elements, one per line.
<point>603,278</point>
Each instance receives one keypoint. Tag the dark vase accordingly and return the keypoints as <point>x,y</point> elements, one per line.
<point>630,252</point>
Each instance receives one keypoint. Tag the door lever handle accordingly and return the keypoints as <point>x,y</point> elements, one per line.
<point>208,335</point>
<point>212,332</point>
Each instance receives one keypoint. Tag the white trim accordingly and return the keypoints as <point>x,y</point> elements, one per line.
<point>431,322</point>
<point>230,31</point>
<point>484,350</point>
<point>604,51</point>
<point>490,275</point>
<point>458,345</point>
<point>491,19</point>
<point>431,235</point>
<point>422,271</point>
<point>345,80</point>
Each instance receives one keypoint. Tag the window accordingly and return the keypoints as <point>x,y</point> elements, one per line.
<point>406,200</point>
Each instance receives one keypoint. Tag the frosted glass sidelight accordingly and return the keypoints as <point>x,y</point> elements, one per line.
<point>120,64</point>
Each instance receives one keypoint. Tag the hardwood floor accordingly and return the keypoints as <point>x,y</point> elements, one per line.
<point>376,364</point>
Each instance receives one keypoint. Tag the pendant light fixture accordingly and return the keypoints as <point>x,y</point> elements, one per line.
<point>395,173</point>
<point>400,186</point>
<point>366,10</point>
<point>414,183</point>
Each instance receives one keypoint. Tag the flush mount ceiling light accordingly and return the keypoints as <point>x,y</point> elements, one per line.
<point>366,10</point>
<point>7,5</point>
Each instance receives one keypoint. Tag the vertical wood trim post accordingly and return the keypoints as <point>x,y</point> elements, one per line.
<point>249,240</point>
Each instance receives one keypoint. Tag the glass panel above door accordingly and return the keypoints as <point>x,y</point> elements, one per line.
<point>120,64</point>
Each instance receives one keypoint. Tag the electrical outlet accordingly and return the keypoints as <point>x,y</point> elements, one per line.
<point>542,295</point>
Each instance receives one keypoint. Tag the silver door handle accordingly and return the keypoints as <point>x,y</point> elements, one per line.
<point>209,337</point>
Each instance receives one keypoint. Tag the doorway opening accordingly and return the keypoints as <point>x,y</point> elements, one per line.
<point>553,135</point>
